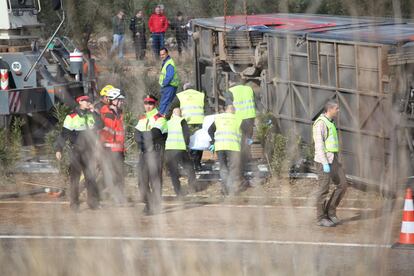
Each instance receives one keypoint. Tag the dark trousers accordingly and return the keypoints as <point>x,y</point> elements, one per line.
<point>326,205</point>
<point>113,174</point>
<point>195,155</point>
<point>150,178</point>
<point>140,45</point>
<point>81,161</point>
<point>229,170</point>
<point>174,158</point>
<point>157,43</point>
<point>247,132</point>
<point>181,43</point>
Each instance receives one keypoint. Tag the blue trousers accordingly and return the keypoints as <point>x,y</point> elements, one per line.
<point>118,44</point>
<point>167,96</point>
<point>157,43</point>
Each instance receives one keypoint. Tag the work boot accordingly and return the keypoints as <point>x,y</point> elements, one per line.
<point>244,186</point>
<point>74,208</point>
<point>147,211</point>
<point>95,206</point>
<point>335,219</point>
<point>325,223</point>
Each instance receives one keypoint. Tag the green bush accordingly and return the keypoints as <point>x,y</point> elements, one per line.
<point>279,157</point>
<point>283,152</point>
<point>264,127</point>
<point>59,112</point>
<point>130,121</point>
<point>10,146</point>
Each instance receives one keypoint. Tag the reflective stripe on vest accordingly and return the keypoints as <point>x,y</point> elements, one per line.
<point>114,146</point>
<point>331,143</point>
<point>150,121</point>
<point>175,81</point>
<point>227,135</point>
<point>175,138</point>
<point>78,123</point>
<point>243,101</point>
<point>192,106</point>
<point>111,131</point>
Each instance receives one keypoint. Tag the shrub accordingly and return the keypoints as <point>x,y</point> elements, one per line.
<point>10,146</point>
<point>59,112</point>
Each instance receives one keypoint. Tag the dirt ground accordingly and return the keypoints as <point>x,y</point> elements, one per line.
<point>267,230</point>
<point>294,190</point>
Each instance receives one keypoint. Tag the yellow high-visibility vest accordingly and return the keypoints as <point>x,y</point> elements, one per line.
<point>175,81</point>
<point>243,101</point>
<point>150,120</point>
<point>78,123</point>
<point>331,142</point>
<point>175,138</point>
<point>192,106</point>
<point>227,135</point>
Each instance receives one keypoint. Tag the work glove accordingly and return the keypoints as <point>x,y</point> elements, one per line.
<point>249,141</point>
<point>326,168</point>
<point>211,148</point>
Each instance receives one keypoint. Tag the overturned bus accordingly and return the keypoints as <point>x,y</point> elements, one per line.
<point>296,62</point>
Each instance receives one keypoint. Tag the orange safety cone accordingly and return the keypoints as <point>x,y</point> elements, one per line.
<point>407,228</point>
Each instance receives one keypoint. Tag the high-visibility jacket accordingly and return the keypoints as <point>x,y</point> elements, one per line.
<point>79,129</point>
<point>150,120</point>
<point>192,106</point>
<point>175,138</point>
<point>75,122</point>
<point>243,101</point>
<point>228,134</point>
<point>113,133</point>
<point>175,80</point>
<point>331,142</point>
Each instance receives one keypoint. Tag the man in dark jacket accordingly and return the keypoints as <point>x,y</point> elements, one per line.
<point>150,135</point>
<point>181,36</point>
<point>118,29</point>
<point>138,28</point>
<point>79,128</point>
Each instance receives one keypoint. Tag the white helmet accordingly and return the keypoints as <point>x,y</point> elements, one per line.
<point>114,94</point>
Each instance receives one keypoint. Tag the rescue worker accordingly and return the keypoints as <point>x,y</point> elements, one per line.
<point>176,152</point>
<point>168,81</point>
<point>99,154</point>
<point>191,103</point>
<point>79,128</point>
<point>150,135</point>
<point>103,101</point>
<point>242,97</point>
<point>225,133</point>
<point>112,138</point>
<point>325,137</point>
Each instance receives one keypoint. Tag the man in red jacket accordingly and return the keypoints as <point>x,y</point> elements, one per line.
<point>112,138</point>
<point>158,25</point>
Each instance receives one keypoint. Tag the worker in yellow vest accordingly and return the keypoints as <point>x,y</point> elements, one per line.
<point>226,136</point>
<point>242,97</point>
<point>192,105</point>
<point>176,145</point>
<point>325,137</point>
<point>168,81</point>
<point>80,131</point>
<point>150,134</point>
